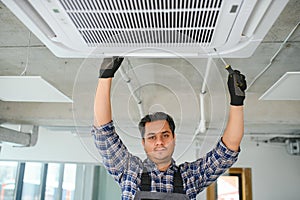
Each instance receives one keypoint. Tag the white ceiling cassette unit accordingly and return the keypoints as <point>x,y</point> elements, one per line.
<point>155,28</point>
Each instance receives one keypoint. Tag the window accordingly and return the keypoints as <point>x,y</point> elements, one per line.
<point>233,185</point>
<point>32,181</point>
<point>228,187</point>
<point>8,172</point>
<point>69,181</point>
<point>52,182</point>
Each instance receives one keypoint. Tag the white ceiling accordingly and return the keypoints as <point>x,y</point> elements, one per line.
<point>168,84</point>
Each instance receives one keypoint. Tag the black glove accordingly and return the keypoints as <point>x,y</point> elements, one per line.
<point>237,85</point>
<point>109,66</point>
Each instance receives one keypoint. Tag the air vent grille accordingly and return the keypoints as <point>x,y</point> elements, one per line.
<point>111,23</point>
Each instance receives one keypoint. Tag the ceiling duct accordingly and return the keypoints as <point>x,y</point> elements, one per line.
<point>189,28</point>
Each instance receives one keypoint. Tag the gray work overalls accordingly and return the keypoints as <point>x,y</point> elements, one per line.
<point>145,193</point>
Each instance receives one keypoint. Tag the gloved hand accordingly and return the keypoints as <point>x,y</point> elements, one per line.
<point>109,66</point>
<point>237,85</point>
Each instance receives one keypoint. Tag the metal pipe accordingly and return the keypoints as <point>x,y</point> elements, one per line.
<point>135,97</point>
<point>202,124</point>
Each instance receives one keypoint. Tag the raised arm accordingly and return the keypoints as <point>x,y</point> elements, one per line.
<point>234,131</point>
<point>102,103</point>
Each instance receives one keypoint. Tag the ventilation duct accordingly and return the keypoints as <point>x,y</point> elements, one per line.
<point>191,28</point>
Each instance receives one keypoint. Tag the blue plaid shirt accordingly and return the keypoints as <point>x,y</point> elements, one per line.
<point>127,169</point>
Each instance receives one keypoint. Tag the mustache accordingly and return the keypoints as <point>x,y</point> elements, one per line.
<point>160,148</point>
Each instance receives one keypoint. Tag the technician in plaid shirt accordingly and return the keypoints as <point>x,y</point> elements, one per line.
<point>158,139</point>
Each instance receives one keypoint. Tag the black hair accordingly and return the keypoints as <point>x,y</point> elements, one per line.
<point>155,117</point>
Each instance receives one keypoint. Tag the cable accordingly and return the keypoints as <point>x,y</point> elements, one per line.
<point>27,55</point>
<point>274,56</point>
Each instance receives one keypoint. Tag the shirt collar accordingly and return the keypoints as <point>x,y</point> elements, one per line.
<point>151,166</point>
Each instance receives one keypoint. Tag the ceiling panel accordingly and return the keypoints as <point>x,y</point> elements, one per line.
<point>29,89</point>
<point>286,88</point>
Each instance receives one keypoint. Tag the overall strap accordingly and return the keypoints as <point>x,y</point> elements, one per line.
<point>177,183</point>
<point>145,181</point>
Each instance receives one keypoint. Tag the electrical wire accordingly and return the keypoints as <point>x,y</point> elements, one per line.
<point>27,55</point>
<point>274,56</point>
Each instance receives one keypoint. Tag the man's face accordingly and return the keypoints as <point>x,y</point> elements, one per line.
<point>158,141</point>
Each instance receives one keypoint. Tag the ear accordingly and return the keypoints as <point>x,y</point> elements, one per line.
<point>143,142</point>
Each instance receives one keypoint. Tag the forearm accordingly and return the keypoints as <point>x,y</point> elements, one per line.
<point>102,103</point>
<point>234,131</point>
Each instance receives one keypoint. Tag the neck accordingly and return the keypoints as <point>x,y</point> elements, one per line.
<point>163,166</point>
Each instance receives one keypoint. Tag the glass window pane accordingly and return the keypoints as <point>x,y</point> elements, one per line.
<point>69,182</point>
<point>228,188</point>
<point>8,171</point>
<point>52,191</point>
<point>31,182</point>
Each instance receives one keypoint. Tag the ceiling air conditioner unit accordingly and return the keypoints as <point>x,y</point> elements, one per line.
<point>155,28</point>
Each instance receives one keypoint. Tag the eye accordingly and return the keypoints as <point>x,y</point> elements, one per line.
<point>151,138</point>
<point>166,135</point>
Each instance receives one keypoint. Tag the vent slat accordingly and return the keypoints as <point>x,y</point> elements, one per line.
<point>144,22</point>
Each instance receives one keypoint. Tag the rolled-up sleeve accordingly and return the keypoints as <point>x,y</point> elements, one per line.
<point>229,156</point>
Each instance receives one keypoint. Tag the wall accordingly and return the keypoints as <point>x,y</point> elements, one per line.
<point>52,146</point>
<point>275,173</point>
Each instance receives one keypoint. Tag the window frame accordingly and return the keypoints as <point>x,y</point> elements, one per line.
<point>245,182</point>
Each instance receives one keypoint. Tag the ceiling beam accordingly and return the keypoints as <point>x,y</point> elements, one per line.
<point>19,137</point>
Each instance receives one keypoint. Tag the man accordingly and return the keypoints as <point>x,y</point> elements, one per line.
<point>158,177</point>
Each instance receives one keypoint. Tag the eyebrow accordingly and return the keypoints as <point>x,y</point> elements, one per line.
<point>151,133</point>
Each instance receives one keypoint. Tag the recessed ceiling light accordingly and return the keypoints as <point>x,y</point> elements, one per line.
<point>29,89</point>
<point>286,88</point>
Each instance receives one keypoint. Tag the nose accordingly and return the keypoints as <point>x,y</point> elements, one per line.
<point>159,140</point>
